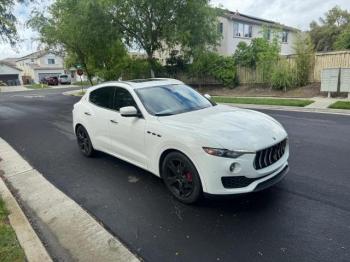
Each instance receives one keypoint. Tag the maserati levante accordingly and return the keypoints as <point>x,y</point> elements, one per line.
<point>195,145</point>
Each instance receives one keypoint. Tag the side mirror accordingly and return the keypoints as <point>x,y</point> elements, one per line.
<point>129,111</point>
<point>207,96</point>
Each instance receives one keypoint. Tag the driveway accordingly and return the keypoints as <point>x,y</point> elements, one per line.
<point>306,217</point>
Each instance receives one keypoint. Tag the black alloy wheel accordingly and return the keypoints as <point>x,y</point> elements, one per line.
<point>84,142</point>
<point>181,177</point>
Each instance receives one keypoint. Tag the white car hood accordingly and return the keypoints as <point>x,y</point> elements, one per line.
<point>232,128</point>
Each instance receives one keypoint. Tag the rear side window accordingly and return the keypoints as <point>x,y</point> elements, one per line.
<point>123,98</point>
<point>103,97</point>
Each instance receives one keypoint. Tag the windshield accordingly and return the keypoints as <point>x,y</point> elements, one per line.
<point>171,100</point>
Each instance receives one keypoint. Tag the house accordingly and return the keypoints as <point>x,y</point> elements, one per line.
<point>9,73</point>
<point>40,64</point>
<point>236,27</point>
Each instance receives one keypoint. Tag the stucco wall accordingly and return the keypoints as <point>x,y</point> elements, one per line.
<point>7,70</point>
<point>43,61</point>
<point>229,42</point>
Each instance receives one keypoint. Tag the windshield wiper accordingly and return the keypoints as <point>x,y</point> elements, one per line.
<point>163,114</point>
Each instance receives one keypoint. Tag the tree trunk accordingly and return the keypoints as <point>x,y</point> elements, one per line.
<point>151,63</point>
<point>89,76</point>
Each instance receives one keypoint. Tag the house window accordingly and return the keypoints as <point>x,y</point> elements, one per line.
<point>221,28</point>
<point>285,37</point>
<point>51,61</point>
<point>267,34</point>
<point>242,30</point>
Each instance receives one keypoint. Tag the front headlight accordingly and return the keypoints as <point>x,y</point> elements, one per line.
<point>225,152</point>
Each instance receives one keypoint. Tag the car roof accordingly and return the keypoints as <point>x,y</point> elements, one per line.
<point>141,83</point>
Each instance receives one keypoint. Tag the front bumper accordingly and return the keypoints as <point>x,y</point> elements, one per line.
<point>217,178</point>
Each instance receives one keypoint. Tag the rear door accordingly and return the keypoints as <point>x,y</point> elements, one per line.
<point>98,115</point>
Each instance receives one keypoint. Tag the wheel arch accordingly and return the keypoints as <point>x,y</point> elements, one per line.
<point>170,150</point>
<point>76,127</point>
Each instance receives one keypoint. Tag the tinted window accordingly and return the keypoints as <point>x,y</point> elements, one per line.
<point>123,98</point>
<point>171,100</point>
<point>102,97</point>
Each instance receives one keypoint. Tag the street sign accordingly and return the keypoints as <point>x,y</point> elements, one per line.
<point>80,72</point>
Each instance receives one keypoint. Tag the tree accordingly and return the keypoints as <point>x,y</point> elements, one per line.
<point>83,31</point>
<point>8,30</point>
<point>304,55</point>
<point>260,53</point>
<point>260,50</point>
<point>324,34</point>
<point>153,25</point>
<point>343,41</point>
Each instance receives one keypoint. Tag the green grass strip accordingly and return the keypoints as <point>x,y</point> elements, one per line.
<point>263,101</point>
<point>10,249</point>
<point>340,105</point>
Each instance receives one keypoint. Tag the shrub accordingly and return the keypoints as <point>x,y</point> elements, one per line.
<point>137,68</point>
<point>259,51</point>
<point>210,64</point>
<point>283,76</point>
<point>304,54</point>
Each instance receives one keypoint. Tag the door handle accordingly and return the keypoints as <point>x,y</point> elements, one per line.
<point>113,121</point>
<point>87,113</point>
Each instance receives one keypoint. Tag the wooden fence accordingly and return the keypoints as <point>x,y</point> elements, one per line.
<point>322,60</point>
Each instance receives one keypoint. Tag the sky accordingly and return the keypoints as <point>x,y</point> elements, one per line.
<point>295,13</point>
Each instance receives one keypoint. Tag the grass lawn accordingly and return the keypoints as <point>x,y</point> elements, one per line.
<point>340,105</point>
<point>37,86</point>
<point>80,93</point>
<point>10,250</point>
<point>263,101</point>
<point>84,83</point>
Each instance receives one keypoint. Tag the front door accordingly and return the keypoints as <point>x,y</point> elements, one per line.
<point>128,133</point>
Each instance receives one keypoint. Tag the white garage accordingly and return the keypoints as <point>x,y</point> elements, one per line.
<point>10,75</point>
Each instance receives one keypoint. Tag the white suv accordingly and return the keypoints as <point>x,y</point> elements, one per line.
<point>64,79</point>
<point>196,146</point>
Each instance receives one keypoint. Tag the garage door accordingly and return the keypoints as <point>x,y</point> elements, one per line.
<point>10,80</point>
<point>43,75</point>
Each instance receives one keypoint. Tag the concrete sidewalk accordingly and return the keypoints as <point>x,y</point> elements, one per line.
<point>323,102</point>
<point>6,89</point>
<point>69,232</point>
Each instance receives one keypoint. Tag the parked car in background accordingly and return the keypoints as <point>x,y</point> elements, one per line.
<point>50,80</point>
<point>64,79</point>
<point>195,145</point>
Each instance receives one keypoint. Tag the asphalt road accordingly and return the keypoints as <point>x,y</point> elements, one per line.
<point>306,217</point>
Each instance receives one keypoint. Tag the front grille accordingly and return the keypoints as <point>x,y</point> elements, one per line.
<point>270,155</point>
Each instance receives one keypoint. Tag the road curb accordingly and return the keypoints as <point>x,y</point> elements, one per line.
<point>292,109</point>
<point>73,93</point>
<point>33,248</point>
<point>66,227</point>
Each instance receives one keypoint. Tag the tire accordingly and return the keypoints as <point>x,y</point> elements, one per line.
<point>181,177</point>
<point>84,142</point>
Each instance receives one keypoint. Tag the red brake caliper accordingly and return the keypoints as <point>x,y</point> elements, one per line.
<point>188,176</point>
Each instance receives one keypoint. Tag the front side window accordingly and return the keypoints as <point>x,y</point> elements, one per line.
<point>221,28</point>
<point>284,37</point>
<point>267,34</point>
<point>123,98</point>
<point>51,61</point>
<point>242,30</point>
<point>102,97</point>
<point>171,99</point>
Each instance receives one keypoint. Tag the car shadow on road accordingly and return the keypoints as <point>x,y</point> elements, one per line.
<point>150,187</point>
